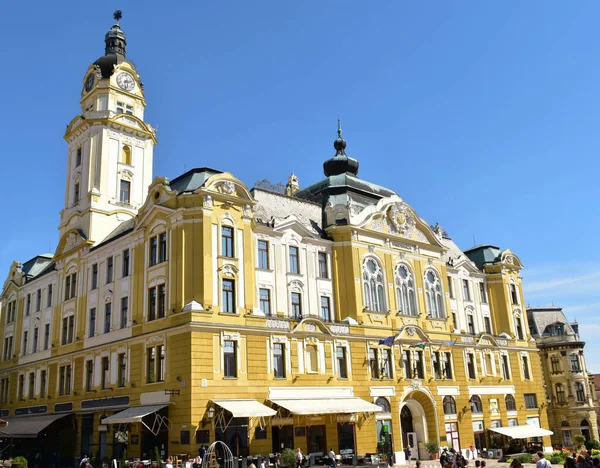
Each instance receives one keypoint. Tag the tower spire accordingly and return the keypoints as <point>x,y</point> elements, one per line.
<point>117,15</point>
<point>340,163</point>
<point>115,39</point>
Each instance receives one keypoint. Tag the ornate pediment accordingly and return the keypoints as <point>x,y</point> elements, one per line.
<point>70,241</point>
<point>401,219</point>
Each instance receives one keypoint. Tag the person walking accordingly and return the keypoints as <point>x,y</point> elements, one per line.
<point>332,458</point>
<point>542,462</point>
<point>299,458</point>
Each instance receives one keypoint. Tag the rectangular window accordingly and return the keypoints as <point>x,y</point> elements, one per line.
<point>263,254</point>
<point>437,365</point>
<point>105,373</point>
<point>94,276</point>
<point>43,384</point>
<point>65,331</point>
<point>505,367</point>
<point>567,438</point>
<point>407,364</point>
<point>519,328</point>
<point>25,334</point>
<point>294,260</point>
<point>49,297</point>
<point>89,375</point>
<point>38,300</point>
<point>120,107</point>
<point>21,389</point>
<point>470,324</point>
<point>279,360</point>
<point>228,296</point>
<point>8,342</point>
<point>76,193</point>
<point>450,288</point>
<point>466,292</point>
<point>230,359</point>
<point>124,191</point>
<point>373,364</point>
<point>64,380</point>
<point>122,370</point>
<point>579,392</point>
<point>160,370</point>
<point>46,336</point>
<point>531,401</point>
<point>151,365</point>
<point>482,293</point>
<point>514,297</point>
<point>525,363</point>
<point>447,365</point>
<point>296,305</point>
<point>162,247</point>
<point>124,312</point>
<point>153,254</point>
<point>31,385</point>
<point>227,241</point>
<point>151,304</point>
<point>419,370</point>
<point>107,316</point>
<point>125,264</point>
<point>386,363</point>
<point>470,365</point>
<point>574,363</point>
<point>342,364</point>
<point>28,305</point>
<point>162,301</point>
<point>265,301</point>
<point>36,335</point>
<point>323,269</point>
<point>78,157</point>
<point>488,325</point>
<point>555,362</point>
<point>109,270</point>
<point>70,286</point>
<point>325,309</point>
<point>454,321</point>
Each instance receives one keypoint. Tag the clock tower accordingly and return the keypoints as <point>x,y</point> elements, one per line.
<point>109,163</point>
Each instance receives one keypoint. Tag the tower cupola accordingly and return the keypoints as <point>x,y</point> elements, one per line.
<point>341,163</point>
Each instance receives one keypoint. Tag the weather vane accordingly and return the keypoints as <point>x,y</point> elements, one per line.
<point>117,15</point>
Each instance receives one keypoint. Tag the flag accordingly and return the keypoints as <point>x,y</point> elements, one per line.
<point>389,341</point>
<point>420,344</point>
<point>447,345</point>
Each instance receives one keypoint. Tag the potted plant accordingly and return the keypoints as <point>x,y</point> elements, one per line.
<point>579,440</point>
<point>433,448</point>
<point>18,461</point>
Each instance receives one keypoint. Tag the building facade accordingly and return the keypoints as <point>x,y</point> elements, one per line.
<point>573,401</point>
<point>178,312</point>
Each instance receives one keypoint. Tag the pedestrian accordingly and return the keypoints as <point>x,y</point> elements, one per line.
<point>581,463</point>
<point>169,463</point>
<point>202,453</point>
<point>477,464</point>
<point>262,463</point>
<point>252,465</point>
<point>299,458</point>
<point>197,462</point>
<point>332,458</point>
<point>418,464</point>
<point>444,457</point>
<point>408,454</point>
<point>516,463</point>
<point>543,463</point>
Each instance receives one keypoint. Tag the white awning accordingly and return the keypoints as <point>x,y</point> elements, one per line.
<point>522,432</point>
<point>347,405</point>
<point>29,426</point>
<point>131,415</point>
<point>245,408</point>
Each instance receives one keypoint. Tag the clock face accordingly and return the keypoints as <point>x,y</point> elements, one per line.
<point>125,81</point>
<point>89,83</point>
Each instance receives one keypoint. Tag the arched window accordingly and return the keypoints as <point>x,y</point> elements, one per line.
<point>383,404</point>
<point>510,403</point>
<point>449,405</point>
<point>476,406</point>
<point>585,423</point>
<point>126,155</point>
<point>405,291</point>
<point>565,424</point>
<point>433,295</point>
<point>373,286</point>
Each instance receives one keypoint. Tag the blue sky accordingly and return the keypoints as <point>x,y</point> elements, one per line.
<point>482,115</point>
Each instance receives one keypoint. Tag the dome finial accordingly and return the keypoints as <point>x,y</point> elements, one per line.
<point>340,143</point>
<point>115,39</point>
<point>117,15</point>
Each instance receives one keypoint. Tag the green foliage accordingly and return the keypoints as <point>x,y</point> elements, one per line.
<point>525,458</point>
<point>157,455</point>
<point>124,457</point>
<point>509,461</point>
<point>592,444</point>
<point>20,460</point>
<point>288,457</point>
<point>556,458</point>
<point>432,446</point>
<point>579,439</point>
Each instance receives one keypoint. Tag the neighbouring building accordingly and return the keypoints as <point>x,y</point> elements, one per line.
<point>177,312</point>
<point>573,403</point>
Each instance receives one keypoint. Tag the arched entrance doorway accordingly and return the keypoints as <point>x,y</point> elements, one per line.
<point>585,429</point>
<point>418,422</point>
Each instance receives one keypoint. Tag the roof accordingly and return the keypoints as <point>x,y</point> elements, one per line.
<point>36,265</point>
<point>192,179</point>
<point>122,229</point>
<point>541,317</point>
<point>483,255</point>
<point>272,207</point>
<point>340,183</point>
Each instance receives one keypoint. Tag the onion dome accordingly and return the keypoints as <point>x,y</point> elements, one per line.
<point>340,163</point>
<point>114,51</point>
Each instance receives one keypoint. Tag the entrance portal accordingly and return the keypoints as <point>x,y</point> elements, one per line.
<point>418,422</point>
<point>406,422</point>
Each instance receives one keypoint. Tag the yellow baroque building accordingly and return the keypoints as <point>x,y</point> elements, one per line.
<point>174,313</point>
